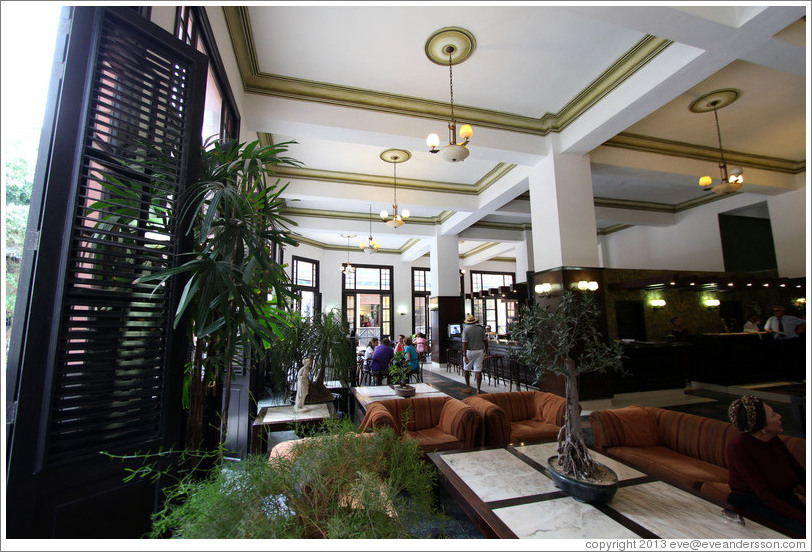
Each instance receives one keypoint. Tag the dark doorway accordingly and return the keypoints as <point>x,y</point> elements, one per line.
<point>631,322</point>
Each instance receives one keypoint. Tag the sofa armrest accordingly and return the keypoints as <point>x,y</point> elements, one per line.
<point>493,420</point>
<point>378,416</point>
<point>460,420</point>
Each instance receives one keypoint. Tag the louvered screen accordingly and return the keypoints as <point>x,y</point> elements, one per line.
<point>109,374</point>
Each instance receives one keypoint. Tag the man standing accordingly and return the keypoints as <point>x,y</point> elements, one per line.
<point>474,349</point>
<point>783,326</point>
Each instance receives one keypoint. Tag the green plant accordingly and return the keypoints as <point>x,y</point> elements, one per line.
<point>399,370</point>
<point>386,491</point>
<point>236,293</point>
<point>565,341</point>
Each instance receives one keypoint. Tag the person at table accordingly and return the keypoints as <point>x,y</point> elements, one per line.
<point>379,362</point>
<point>784,326</point>
<point>401,346</point>
<point>763,475</point>
<point>753,324</point>
<point>410,353</point>
<point>474,349</point>
<point>678,331</point>
<point>373,343</point>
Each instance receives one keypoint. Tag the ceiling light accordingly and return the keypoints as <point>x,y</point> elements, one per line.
<point>731,178</point>
<point>395,156</point>
<point>348,268</point>
<point>371,246</point>
<point>450,46</point>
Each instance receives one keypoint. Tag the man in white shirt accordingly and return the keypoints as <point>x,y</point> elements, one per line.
<point>784,326</point>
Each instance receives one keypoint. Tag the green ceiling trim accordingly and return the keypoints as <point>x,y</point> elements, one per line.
<point>493,176</point>
<point>343,215</point>
<point>329,247</point>
<point>634,205</point>
<point>612,229</point>
<point>255,81</point>
<point>517,226</point>
<point>372,180</point>
<point>478,249</point>
<point>649,144</point>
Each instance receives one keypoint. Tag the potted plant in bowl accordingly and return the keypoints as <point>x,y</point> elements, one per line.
<point>565,341</point>
<point>399,371</point>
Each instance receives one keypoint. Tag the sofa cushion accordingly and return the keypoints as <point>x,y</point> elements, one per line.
<point>695,436</point>
<point>550,408</point>
<point>434,439</point>
<point>671,466</point>
<point>528,431</point>
<point>639,426</point>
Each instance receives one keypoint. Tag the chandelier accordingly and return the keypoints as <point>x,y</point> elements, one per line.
<point>348,268</point>
<point>451,45</point>
<point>731,178</point>
<point>370,246</point>
<point>394,156</point>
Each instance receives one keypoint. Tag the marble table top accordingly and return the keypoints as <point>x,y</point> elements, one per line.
<point>508,488</point>
<point>368,394</point>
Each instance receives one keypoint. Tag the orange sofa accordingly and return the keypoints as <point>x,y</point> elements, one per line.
<point>680,448</point>
<point>436,423</point>
<point>518,416</point>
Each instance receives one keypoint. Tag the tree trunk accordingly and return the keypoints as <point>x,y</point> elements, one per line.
<point>197,400</point>
<point>573,459</point>
<point>227,392</point>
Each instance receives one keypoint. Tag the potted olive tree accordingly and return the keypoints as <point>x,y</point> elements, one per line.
<point>565,341</point>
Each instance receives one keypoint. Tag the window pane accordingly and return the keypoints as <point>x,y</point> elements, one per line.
<point>212,110</point>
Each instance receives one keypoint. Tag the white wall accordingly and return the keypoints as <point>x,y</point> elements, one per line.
<point>694,242</point>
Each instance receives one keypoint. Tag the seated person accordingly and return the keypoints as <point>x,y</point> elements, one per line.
<point>373,343</point>
<point>400,346</point>
<point>763,473</point>
<point>753,324</point>
<point>410,353</point>
<point>678,331</point>
<point>379,362</point>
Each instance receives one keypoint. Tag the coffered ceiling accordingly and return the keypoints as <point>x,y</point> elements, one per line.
<point>615,82</point>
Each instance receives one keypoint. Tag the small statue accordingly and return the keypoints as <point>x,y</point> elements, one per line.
<point>303,384</point>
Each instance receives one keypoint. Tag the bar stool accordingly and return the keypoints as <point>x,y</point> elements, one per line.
<point>493,368</point>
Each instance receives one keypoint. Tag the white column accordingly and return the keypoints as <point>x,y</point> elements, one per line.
<point>563,212</point>
<point>524,256</point>
<point>445,265</point>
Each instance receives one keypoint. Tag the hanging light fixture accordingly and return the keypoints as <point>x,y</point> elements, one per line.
<point>348,268</point>
<point>395,156</point>
<point>731,178</point>
<point>370,246</point>
<point>451,45</point>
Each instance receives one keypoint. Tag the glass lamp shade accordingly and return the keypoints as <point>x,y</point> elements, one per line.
<point>433,140</point>
<point>454,153</point>
<point>405,213</point>
<point>705,181</point>
<point>466,131</point>
<point>384,214</point>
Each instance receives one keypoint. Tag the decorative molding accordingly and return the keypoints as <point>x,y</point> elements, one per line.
<point>255,81</point>
<point>408,244</point>
<point>672,148</point>
<point>344,215</point>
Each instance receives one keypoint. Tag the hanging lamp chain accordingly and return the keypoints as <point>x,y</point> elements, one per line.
<point>451,83</point>
<point>723,164</point>
<point>395,167</point>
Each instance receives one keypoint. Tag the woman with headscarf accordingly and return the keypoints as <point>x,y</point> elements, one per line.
<point>763,474</point>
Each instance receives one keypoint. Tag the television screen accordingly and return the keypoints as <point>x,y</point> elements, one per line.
<point>454,330</point>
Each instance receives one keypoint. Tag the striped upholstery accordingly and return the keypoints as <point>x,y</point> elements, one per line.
<point>518,416</point>
<point>691,450</point>
<point>437,423</point>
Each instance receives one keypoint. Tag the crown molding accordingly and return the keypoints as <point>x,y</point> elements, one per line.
<point>411,242</point>
<point>672,148</point>
<point>255,81</point>
<point>612,229</point>
<point>364,217</point>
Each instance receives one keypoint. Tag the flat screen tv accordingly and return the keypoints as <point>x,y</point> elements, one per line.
<point>454,330</point>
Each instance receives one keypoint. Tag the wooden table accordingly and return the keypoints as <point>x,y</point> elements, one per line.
<point>507,493</point>
<point>284,418</point>
<point>368,394</point>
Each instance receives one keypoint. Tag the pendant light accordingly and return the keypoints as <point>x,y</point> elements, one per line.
<point>395,156</point>
<point>348,268</point>
<point>370,246</point>
<point>731,179</point>
<point>451,46</point>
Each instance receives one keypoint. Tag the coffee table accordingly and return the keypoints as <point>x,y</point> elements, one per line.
<point>369,394</point>
<point>507,493</point>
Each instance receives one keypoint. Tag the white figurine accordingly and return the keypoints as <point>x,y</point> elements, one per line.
<point>303,384</point>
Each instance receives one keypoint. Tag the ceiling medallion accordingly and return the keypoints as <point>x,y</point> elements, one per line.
<point>450,46</point>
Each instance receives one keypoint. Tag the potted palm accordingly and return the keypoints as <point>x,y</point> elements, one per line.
<point>565,341</point>
<point>399,371</point>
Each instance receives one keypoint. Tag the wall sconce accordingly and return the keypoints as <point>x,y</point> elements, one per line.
<point>711,303</point>
<point>402,311</point>
<point>543,289</point>
<point>583,285</point>
<point>657,304</point>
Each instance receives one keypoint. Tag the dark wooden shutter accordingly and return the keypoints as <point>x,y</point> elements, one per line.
<point>97,363</point>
